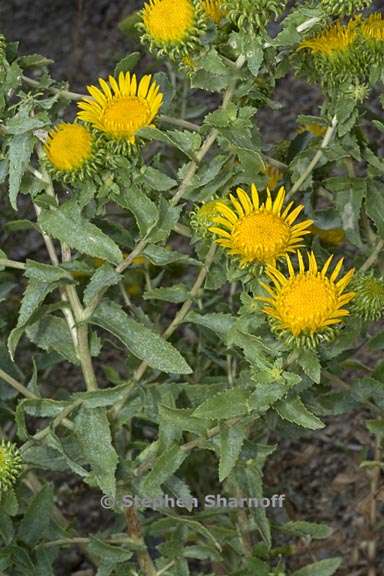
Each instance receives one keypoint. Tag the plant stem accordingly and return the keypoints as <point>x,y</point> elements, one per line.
<point>17,385</point>
<point>375,482</point>
<point>179,194</point>
<point>316,159</point>
<point>211,139</point>
<point>82,330</point>
<point>136,534</point>
<point>12,264</point>
<point>370,261</point>
<point>177,320</point>
<point>64,93</point>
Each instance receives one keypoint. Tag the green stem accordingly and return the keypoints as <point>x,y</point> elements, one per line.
<point>82,330</point>
<point>17,385</point>
<point>12,264</point>
<point>177,320</point>
<point>371,260</point>
<point>316,159</point>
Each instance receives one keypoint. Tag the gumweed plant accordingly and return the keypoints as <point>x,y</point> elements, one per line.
<point>180,296</point>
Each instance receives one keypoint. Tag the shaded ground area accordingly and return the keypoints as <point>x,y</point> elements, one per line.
<point>320,474</point>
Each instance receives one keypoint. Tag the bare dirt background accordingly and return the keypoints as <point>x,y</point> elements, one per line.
<point>320,474</point>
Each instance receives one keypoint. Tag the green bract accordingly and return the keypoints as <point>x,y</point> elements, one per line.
<point>253,13</point>
<point>344,7</point>
<point>10,465</point>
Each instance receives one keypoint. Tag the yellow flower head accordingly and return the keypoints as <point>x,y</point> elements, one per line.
<point>316,129</point>
<point>274,176</point>
<point>259,232</point>
<point>373,27</point>
<point>306,303</point>
<point>336,39</point>
<point>123,106</point>
<point>68,147</point>
<point>214,10</point>
<point>172,27</point>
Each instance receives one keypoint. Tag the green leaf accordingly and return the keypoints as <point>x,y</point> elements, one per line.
<point>176,294</point>
<point>36,520</point>
<point>375,204</point>
<point>182,419</point>
<point>104,397</point>
<point>158,180</point>
<point>168,218</point>
<point>44,407</point>
<point>145,211</point>
<point>67,225</point>
<point>46,273</point>
<point>302,528</point>
<point>310,363</point>
<point>217,322</point>
<point>104,277</point>
<point>233,402</point>
<point>322,568</point>
<point>295,411</point>
<point>187,142</point>
<point>165,465</point>
<point>33,297</point>
<point>231,442</point>
<point>160,256</point>
<point>349,194</point>
<point>94,436</point>
<point>52,333</point>
<point>20,150</point>
<point>140,340</point>
<point>127,63</point>
<point>108,553</point>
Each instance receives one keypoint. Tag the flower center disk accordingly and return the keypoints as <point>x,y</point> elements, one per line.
<point>169,21</point>
<point>125,116</point>
<point>306,302</point>
<point>69,146</point>
<point>261,236</point>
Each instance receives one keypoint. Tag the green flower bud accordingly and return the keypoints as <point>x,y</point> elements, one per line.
<point>203,217</point>
<point>344,7</point>
<point>369,300</point>
<point>10,465</point>
<point>253,13</point>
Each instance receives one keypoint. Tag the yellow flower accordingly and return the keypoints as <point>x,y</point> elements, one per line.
<point>123,106</point>
<point>316,129</point>
<point>172,28</point>
<point>259,232</point>
<point>306,303</point>
<point>169,21</point>
<point>274,176</point>
<point>68,146</point>
<point>330,236</point>
<point>338,38</point>
<point>214,10</point>
<point>373,27</point>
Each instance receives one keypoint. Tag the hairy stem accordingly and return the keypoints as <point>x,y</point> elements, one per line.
<point>375,482</point>
<point>316,159</point>
<point>136,534</point>
<point>177,320</point>
<point>16,385</point>
<point>82,330</point>
<point>371,260</point>
<point>12,264</point>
